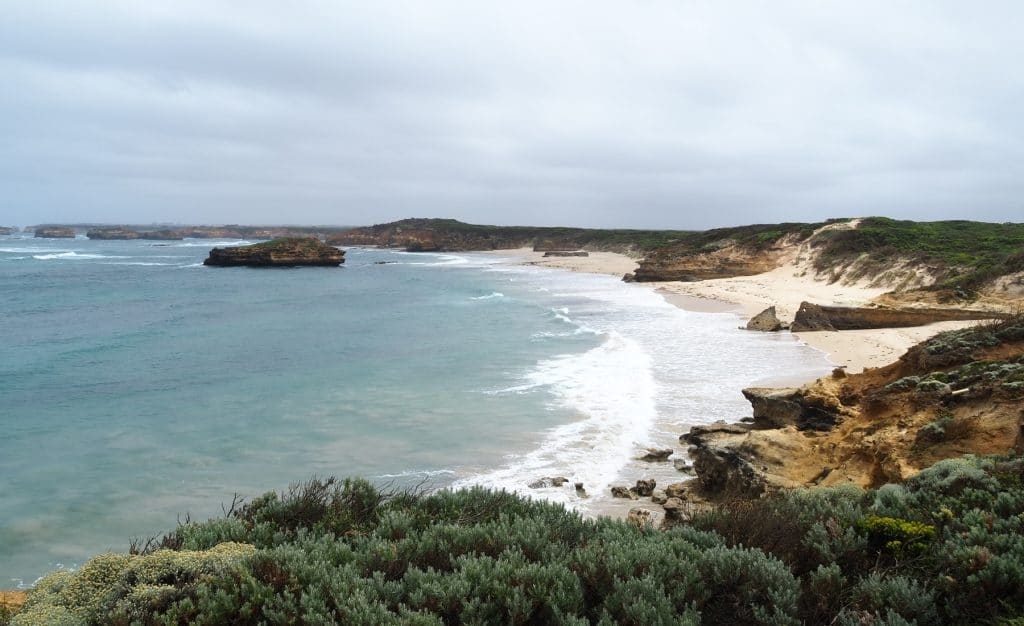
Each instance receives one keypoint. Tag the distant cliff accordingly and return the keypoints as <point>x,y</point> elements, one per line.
<point>127,233</point>
<point>445,235</point>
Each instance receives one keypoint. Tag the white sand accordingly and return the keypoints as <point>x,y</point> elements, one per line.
<point>785,288</point>
<point>595,263</point>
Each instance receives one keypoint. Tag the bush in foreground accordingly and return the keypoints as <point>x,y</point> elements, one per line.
<point>945,547</point>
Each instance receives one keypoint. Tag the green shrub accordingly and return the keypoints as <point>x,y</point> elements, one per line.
<point>946,546</point>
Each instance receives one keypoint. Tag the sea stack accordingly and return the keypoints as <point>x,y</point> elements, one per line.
<point>284,252</point>
<point>55,232</point>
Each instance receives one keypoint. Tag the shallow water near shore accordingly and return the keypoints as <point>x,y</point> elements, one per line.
<point>137,385</point>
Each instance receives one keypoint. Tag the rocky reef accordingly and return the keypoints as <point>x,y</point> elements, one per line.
<point>812,317</point>
<point>55,232</point>
<point>284,252</point>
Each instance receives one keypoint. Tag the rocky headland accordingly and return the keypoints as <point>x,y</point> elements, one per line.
<point>284,252</point>
<point>6,230</point>
<point>55,232</point>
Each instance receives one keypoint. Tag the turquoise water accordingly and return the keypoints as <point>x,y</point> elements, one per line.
<point>137,385</point>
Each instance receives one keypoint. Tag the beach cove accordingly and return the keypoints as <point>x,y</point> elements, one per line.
<point>166,374</point>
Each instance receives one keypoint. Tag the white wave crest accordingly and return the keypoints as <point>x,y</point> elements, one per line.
<point>613,390</point>
<point>490,296</point>
<point>75,256</point>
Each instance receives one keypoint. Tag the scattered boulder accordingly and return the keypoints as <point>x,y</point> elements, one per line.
<point>656,454</point>
<point>629,277</point>
<point>766,321</point>
<point>676,490</point>
<point>549,481</point>
<point>641,518</point>
<point>682,465</point>
<point>620,491</point>
<point>580,491</point>
<point>645,487</point>
<point>658,496</point>
<point>284,252</point>
<point>675,510</point>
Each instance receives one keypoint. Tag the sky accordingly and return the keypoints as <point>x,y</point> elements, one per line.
<point>642,114</point>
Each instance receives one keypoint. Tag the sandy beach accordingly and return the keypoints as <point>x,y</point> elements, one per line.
<point>784,287</point>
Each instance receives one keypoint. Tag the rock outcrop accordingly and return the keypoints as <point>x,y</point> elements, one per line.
<point>766,321</point>
<point>812,317</point>
<point>645,486</point>
<point>960,392</point>
<point>55,232</point>
<point>566,253</point>
<point>287,252</point>
<point>5,230</point>
<point>655,454</point>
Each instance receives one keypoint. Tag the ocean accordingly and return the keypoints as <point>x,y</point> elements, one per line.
<point>137,386</point>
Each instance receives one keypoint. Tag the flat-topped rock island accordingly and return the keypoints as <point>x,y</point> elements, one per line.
<point>284,252</point>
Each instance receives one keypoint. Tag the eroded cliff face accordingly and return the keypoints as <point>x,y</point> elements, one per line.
<point>286,252</point>
<point>961,392</point>
<point>722,260</point>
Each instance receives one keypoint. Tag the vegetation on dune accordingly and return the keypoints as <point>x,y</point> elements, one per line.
<point>965,254</point>
<point>945,547</point>
<point>640,240</point>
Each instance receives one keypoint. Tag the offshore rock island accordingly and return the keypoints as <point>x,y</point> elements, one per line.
<point>284,252</point>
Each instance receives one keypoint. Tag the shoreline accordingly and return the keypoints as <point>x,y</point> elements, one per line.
<point>784,287</point>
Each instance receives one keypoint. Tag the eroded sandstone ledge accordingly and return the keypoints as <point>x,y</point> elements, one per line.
<point>811,317</point>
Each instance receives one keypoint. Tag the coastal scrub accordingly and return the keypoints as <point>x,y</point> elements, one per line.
<point>944,547</point>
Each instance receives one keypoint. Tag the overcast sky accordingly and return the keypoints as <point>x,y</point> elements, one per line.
<point>674,114</point>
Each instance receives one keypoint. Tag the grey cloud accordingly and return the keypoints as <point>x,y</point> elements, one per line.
<point>649,114</point>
